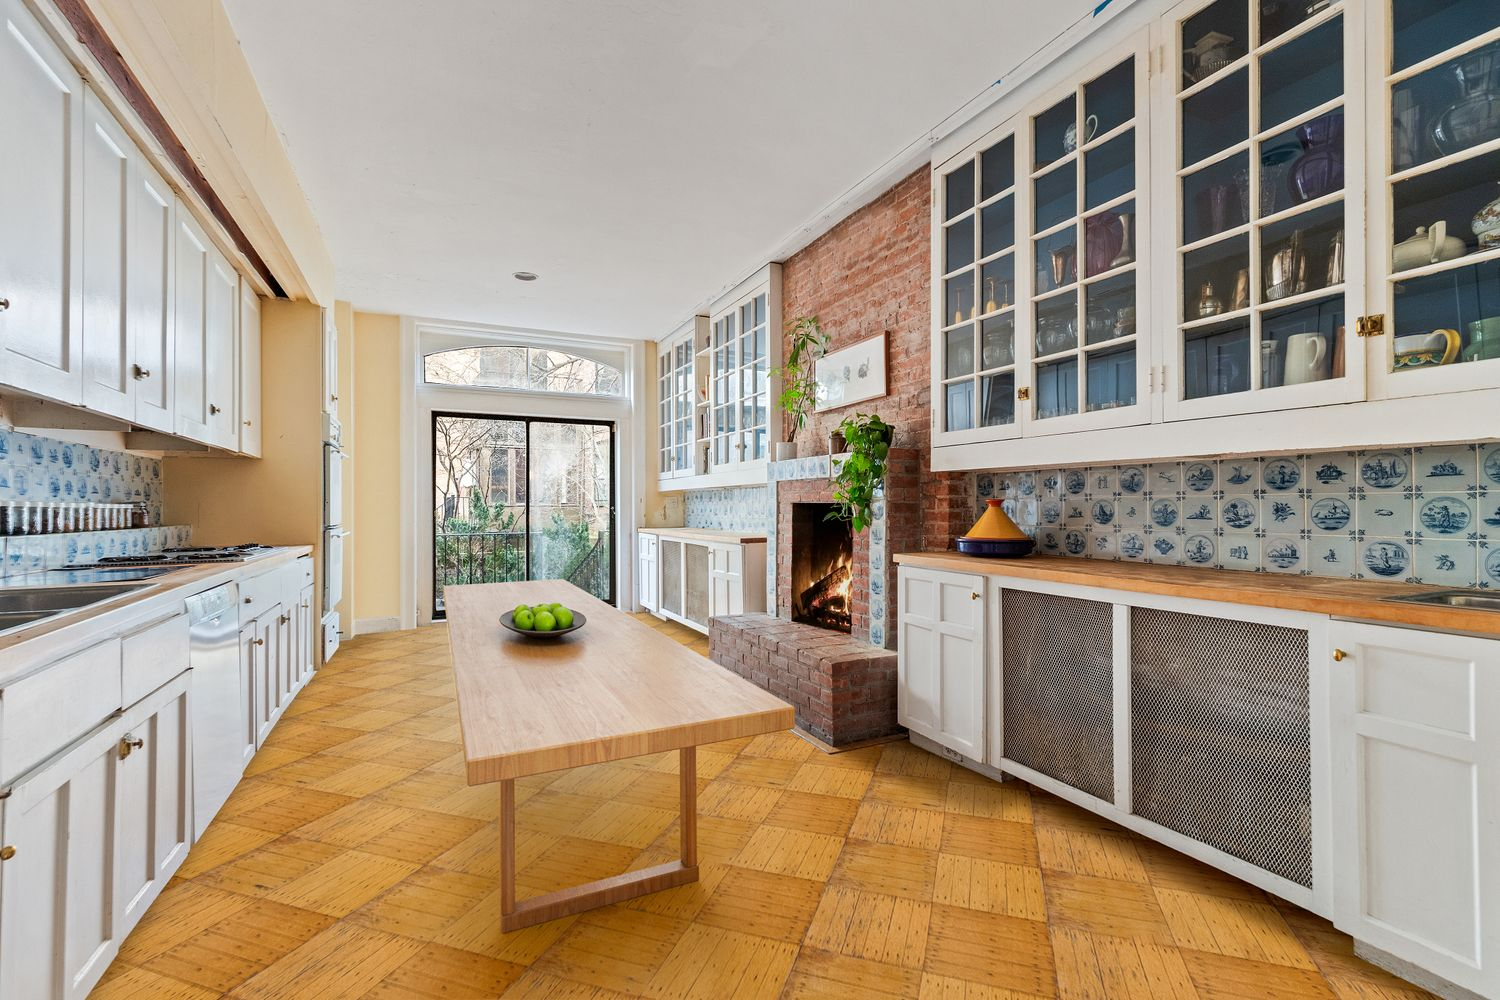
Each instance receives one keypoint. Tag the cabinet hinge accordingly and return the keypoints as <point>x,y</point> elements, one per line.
<point>1370,326</point>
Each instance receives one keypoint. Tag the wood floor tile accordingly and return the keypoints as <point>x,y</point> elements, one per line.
<point>888,869</point>
<point>1236,928</point>
<point>909,791</point>
<point>1224,977</point>
<point>226,953</point>
<point>438,973</point>
<point>343,883</point>
<point>123,982</point>
<point>790,852</point>
<point>1086,853</point>
<point>1106,907</point>
<point>817,778</point>
<point>711,963</point>
<point>762,903</point>
<point>1097,967</point>
<point>780,746</point>
<point>826,975</point>
<point>991,949</point>
<point>814,813</point>
<point>181,912</point>
<point>425,905</point>
<point>264,870</point>
<point>886,929</point>
<point>344,962</point>
<point>991,839</point>
<point>898,825</point>
<point>991,886</point>
<point>948,988</point>
<point>623,823</point>
<point>571,861</point>
<point>735,800</point>
<point>539,986</point>
<point>616,948</point>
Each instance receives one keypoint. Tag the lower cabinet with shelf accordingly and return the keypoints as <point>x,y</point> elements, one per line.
<point>690,576</point>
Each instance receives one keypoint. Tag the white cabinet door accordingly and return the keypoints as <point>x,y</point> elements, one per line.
<point>646,571</point>
<point>330,365</point>
<point>726,567</point>
<point>249,370</point>
<point>1416,753</point>
<point>302,634</point>
<point>58,912</point>
<point>108,168</point>
<point>940,674</point>
<point>156,803</point>
<point>149,265</point>
<point>252,680</point>
<point>193,267</point>
<point>41,218</point>
<point>222,348</point>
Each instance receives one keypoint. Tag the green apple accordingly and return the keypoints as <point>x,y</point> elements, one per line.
<point>521,607</point>
<point>544,622</point>
<point>523,618</point>
<point>564,618</point>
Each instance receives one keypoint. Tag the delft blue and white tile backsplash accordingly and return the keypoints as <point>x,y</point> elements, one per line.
<point>37,468</point>
<point>731,508</point>
<point>1423,515</point>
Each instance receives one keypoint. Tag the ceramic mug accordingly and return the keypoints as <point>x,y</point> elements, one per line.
<point>1306,358</point>
<point>1484,339</point>
<point>1070,134</point>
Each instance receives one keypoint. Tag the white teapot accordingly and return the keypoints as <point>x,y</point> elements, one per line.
<point>1428,246</point>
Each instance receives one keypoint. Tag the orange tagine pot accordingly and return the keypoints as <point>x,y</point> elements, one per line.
<point>995,535</point>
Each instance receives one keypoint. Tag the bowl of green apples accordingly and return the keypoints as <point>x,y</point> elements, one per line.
<point>543,621</point>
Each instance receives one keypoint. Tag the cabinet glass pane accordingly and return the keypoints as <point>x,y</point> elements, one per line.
<point>1304,73</point>
<point>1057,324</point>
<point>1055,132</point>
<point>959,191</point>
<point>997,168</point>
<point>1057,260</point>
<point>1421,29</point>
<point>1447,109</point>
<point>1216,359</point>
<point>1215,198</point>
<point>1109,239</point>
<point>1277,17</point>
<point>1452,317</point>
<point>1057,388</point>
<point>1109,312</point>
<point>997,400</point>
<point>997,337</point>
<point>1447,199</point>
<point>1109,101</point>
<point>1216,278</point>
<point>958,244</point>
<point>1303,253</point>
<point>1216,117</point>
<point>1212,39</point>
<point>999,283</point>
<point>1302,164</point>
<point>959,405</point>
<point>1110,378</point>
<point>1302,343</point>
<point>1109,170</point>
<point>1056,197</point>
<point>997,226</point>
<point>958,354</point>
<point>959,293</point>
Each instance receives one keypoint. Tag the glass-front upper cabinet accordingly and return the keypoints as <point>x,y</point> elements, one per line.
<point>976,260</point>
<point>744,348</point>
<point>1086,162</point>
<point>681,396</point>
<point>1435,230</point>
<point>1266,280</point>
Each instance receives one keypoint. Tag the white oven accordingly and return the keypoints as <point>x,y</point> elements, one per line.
<point>333,534</point>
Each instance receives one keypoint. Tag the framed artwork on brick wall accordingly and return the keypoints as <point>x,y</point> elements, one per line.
<point>851,374</point>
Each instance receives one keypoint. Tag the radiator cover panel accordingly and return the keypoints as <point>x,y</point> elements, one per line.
<point>1220,738</point>
<point>1059,688</point>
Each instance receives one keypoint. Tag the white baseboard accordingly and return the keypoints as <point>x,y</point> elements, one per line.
<point>367,626</point>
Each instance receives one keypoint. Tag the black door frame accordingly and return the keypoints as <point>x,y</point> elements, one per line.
<point>614,534</point>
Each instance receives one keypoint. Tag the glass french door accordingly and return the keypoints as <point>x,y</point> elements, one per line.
<point>522,498</point>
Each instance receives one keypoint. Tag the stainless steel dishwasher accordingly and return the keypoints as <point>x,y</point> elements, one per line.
<point>221,714</point>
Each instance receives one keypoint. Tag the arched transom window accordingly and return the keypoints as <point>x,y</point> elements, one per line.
<point>534,369</point>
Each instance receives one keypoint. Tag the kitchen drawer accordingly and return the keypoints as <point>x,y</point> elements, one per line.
<point>44,712</point>
<point>151,657</point>
<point>303,568</point>
<point>260,593</point>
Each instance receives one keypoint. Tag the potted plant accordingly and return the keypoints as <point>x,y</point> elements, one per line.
<point>799,384</point>
<point>861,475</point>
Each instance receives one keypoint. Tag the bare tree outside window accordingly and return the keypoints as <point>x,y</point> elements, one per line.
<point>531,369</point>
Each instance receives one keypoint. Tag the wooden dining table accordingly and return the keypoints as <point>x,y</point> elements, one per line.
<point>615,688</point>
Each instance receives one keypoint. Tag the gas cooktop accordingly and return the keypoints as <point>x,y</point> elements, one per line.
<point>182,556</point>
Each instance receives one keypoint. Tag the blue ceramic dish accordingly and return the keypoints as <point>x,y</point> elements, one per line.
<point>996,548</point>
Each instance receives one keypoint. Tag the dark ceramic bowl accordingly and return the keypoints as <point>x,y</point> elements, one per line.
<point>578,622</point>
<point>996,548</point>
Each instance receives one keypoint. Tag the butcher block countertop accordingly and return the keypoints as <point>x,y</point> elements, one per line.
<point>705,535</point>
<point>1362,599</point>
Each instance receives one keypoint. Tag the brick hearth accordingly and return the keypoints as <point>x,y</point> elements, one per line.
<point>844,690</point>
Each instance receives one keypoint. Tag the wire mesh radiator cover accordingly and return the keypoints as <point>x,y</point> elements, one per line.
<point>1219,735</point>
<point>1059,688</point>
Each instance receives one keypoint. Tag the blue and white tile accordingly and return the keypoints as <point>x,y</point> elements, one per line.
<point>1329,514</point>
<point>1104,481</point>
<point>1386,469</point>
<point>1132,480</point>
<point>1487,513</point>
<point>1200,512</point>
<point>1283,513</point>
<point>1383,514</point>
<point>1331,471</point>
<point>1132,511</point>
<point>1102,511</point>
<point>1199,549</point>
<point>1446,563</point>
<point>1164,512</point>
<point>1385,558</point>
<point>1284,554</point>
<point>1075,511</point>
<point>1164,478</point>
<point>1200,477</point>
<point>1489,465</point>
<point>1239,475</point>
<point>1074,481</point>
<point>1103,542</point>
<point>1332,555</point>
<point>1489,567</point>
<point>1050,511</point>
<point>1239,512</point>
<point>1163,547</point>
<point>1238,550</point>
<point>1133,543</point>
<point>1280,475</point>
<point>1049,540</point>
<point>1075,541</point>
<point>1445,468</point>
<point>1448,516</point>
<point>984,485</point>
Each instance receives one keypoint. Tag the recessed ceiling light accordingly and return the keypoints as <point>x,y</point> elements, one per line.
<point>524,276</point>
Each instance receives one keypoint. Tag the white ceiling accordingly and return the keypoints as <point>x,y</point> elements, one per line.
<point>639,155</point>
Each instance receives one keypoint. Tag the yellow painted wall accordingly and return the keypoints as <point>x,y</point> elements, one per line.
<point>377,483</point>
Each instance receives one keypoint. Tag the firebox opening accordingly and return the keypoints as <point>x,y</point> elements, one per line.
<point>822,564</point>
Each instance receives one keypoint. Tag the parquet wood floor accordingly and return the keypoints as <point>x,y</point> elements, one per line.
<point>353,863</point>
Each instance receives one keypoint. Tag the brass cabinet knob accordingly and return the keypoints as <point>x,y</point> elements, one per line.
<point>7,852</point>
<point>214,410</point>
<point>974,595</point>
<point>247,423</point>
<point>260,642</point>
<point>130,744</point>
<point>4,305</point>
<point>138,373</point>
<point>1338,655</point>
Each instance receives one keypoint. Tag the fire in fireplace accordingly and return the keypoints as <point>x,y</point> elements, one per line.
<point>822,560</point>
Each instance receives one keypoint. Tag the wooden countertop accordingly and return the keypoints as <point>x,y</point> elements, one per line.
<point>616,688</point>
<point>1363,599</point>
<point>705,535</point>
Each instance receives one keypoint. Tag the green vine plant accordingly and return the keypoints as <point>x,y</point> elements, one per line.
<point>799,383</point>
<point>862,474</point>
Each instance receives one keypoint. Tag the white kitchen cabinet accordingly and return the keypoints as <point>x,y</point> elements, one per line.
<point>700,577</point>
<point>109,166</point>
<point>41,203</point>
<point>646,572</point>
<point>264,661</point>
<point>192,279</point>
<point>726,565</point>
<point>249,372</point>
<point>1416,756</point>
<point>744,351</point>
<point>154,770</point>
<point>330,364</point>
<point>303,630</point>
<point>149,297</point>
<point>59,911</point>
<point>940,691</point>
<point>223,311</point>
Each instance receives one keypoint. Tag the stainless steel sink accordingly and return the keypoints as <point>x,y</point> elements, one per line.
<point>1471,600</point>
<point>22,606</point>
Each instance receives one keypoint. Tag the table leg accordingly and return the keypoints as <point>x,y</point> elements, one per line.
<point>616,888</point>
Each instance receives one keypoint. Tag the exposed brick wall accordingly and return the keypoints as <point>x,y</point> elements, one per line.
<point>843,690</point>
